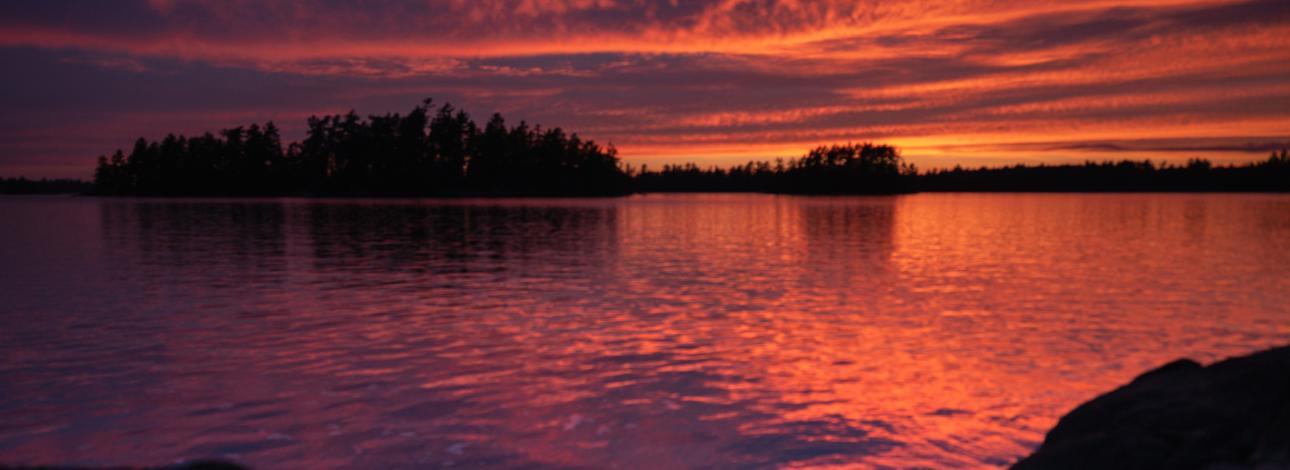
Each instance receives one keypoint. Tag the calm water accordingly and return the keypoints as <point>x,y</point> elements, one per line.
<point>657,331</point>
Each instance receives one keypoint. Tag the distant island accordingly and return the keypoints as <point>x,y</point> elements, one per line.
<point>45,186</point>
<point>849,169</point>
<point>441,152</point>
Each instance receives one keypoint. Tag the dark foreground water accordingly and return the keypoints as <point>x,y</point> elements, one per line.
<point>658,332</point>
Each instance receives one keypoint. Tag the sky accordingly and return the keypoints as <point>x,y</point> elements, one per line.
<point>969,82</point>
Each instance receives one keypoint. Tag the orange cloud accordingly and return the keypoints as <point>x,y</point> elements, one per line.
<point>715,81</point>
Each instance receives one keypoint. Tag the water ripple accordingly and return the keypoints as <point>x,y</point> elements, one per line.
<point>662,331</point>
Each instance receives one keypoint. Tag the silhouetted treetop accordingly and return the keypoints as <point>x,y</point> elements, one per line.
<point>1272,174</point>
<point>878,169</point>
<point>441,151</point>
<point>430,151</point>
<point>830,169</point>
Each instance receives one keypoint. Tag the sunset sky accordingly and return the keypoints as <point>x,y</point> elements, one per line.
<point>950,82</point>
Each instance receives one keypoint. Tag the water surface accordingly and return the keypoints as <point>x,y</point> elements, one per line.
<point>679,331</point>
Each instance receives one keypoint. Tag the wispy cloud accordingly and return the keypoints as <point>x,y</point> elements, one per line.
<point>951,81</point>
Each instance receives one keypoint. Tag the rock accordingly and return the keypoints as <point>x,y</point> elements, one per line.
<point>1233,414</point>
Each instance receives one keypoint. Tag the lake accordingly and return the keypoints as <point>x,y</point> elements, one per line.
<point>658,331</point>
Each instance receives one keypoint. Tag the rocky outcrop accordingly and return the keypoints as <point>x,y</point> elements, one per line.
<point>1233,414</point>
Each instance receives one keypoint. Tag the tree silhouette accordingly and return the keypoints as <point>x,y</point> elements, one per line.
<point>44,186</point>
<point>440,151</point>
<point>389,155</point>
<point>833,169</point>
<point>1272,174</point>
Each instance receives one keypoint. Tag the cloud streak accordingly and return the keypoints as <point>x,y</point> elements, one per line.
<point>958,81</point>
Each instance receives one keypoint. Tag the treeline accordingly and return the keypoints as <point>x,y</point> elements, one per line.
<point>22,185</point>
<point>427,152</point>
<point>1272,174</point>
<point>441,151</point>
<point>833,169</point>
<point>838,170</point>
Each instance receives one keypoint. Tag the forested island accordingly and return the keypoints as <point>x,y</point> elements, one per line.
<point>427,152</point>
<point>441,151</point>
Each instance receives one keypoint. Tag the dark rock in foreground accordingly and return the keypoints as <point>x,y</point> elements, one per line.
<point>1233,414</point>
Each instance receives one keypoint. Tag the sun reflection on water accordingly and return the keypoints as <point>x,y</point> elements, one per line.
<point>657,331</point>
